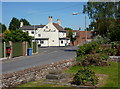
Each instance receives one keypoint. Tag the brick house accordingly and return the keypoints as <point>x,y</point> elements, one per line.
<point>81,37</point>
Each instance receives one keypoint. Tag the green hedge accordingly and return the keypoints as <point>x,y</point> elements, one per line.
<point>17,49</point>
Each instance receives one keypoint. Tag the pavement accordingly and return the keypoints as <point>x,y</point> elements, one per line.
<point>46,55</point>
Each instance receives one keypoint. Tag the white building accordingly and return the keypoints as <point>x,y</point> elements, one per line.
<point>51,34</point>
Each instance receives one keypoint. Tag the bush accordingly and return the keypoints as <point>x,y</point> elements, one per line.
<point>85,76</point>
<point>93,59</point>
<point>101,40</point>
<point>86,48</point>
<point>110,51</point>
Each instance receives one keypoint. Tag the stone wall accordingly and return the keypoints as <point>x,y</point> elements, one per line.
<point>114,58</point>
<point>32,74</point>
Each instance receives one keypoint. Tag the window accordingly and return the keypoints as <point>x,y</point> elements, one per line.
<point>32,32</point>
<point>39,35</point>
<point>61,42</point>
<point>46,26</point>
<point>41,41</point>
<point>27,32</point>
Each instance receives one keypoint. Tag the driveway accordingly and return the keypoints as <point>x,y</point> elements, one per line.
<point>45,56</point>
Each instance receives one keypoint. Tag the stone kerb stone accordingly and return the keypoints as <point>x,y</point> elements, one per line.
<point>34,73</point>
<point>114,58</point>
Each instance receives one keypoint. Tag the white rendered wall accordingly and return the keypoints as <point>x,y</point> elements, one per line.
<point>62,34</point>
<point>50,32</point>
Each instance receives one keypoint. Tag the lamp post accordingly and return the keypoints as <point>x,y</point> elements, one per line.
<point>76,13</point>
<point>34,33</point>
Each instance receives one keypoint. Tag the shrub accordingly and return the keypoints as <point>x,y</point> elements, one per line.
<point>85,76</point>
<point>93,59</point>
<point>86,48</point>
<point>101,40</point>
<point>110,51</point>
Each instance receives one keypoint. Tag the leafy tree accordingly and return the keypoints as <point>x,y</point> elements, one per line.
<point>70,35</point>
<point>2,28</point>
<point>7,36</point>
<point>16,36</point>
<point>115,32</point>
<point>103,14</point>
<point>25,22</point>
<point>14,24</point>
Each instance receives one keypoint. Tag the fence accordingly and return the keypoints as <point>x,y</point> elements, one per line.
<point>1,49</point>
<point>34,47</point>
<point>18,48</point>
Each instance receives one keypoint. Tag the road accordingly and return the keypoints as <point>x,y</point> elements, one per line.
<point>45,56</point>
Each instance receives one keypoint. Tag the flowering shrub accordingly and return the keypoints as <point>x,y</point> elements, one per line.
<point>93,59</point>
<point>85,76</point>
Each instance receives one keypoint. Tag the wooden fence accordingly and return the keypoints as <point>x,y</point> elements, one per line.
<point>17,48</point>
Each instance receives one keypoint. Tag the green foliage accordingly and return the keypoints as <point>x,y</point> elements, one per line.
<point>2,28</point>
<point>14,24</point>
<point>16,36</point>
<point>93,59</point>
<point>111,71</point>
<point>114,34</point>
<point>101,40</point>
<point>70,34</point>
<point>103,17</point>
<point>85,76</point>
<point>86,48</point>
<point>25,22</point>
<point>107,51</point>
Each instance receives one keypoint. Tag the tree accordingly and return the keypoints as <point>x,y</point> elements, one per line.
<point>70,35</point>
<point>2,28</point>
<point>16,36</point>
<point>103,14</point>
<point>14,24</point>
<point>25,22</point>
<point>114,34</point>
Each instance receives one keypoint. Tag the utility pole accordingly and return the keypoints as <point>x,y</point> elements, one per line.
<point>85,29</point>
<point>76,13</point>
<point>34,33</point>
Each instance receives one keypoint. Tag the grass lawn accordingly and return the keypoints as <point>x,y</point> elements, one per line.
<point>111,71</point>
<point>110,81</point>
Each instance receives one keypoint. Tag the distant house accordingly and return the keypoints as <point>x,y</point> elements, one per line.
<point>81,36</point>
<point>51,34</point>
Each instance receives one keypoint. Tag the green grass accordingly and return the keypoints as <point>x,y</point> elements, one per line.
<point>111,81</point>
<point>111,71</point>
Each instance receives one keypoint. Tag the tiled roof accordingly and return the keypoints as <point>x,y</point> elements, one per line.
<point>31,27</point>
<point>59,27</point>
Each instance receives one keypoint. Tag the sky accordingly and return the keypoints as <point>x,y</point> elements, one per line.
<point>38,12</point>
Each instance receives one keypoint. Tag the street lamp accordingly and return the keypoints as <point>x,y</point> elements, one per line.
<point>76,13</point>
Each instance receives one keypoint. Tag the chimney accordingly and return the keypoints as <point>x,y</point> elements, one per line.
<point>50,19</point>
<point>21,24</point>
<point>59,22</point>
